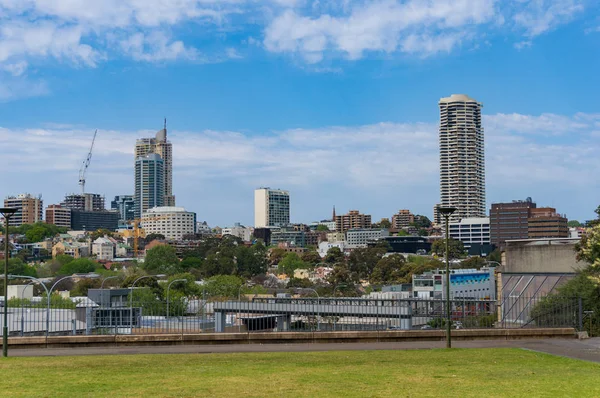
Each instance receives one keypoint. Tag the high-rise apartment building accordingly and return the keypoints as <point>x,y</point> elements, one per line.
<point>352,220</point>
<point>58,215</point>
<point>271,208</point>
<point>149,183</point>
<point>162,147</point>
<point>30,209</point>
<point>509,221</point>
<point>84,202</point>
<point>402,219</point>
<point>462,162</point>
<point>172,222</point>
<point>545,222</point>
<point>125,205</point>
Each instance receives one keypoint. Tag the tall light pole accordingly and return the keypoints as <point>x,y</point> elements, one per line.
<point>131,299</point>
<point>7,212</point>
<point>446,212</point>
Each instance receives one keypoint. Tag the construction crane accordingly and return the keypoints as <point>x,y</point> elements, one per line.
<point>86,164</point>
<point>139,232</point>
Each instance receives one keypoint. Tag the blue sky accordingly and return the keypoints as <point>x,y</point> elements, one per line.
<point>335,101</point>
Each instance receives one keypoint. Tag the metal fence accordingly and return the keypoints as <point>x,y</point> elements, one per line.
<point>191,315</point>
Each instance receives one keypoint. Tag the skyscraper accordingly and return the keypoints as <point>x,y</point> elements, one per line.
<point>162,147</point>
<point>149,183</point>
<point>462,160</point>
<point>125,205</point>
<point>30,209</point>
<point>271,208</point>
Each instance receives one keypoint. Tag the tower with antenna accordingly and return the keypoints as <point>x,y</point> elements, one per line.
<point>86,164</point>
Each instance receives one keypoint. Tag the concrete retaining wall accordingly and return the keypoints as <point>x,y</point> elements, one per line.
<point>286,337</point>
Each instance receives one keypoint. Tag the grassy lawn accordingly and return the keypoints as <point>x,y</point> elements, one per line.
<point>455,373</point>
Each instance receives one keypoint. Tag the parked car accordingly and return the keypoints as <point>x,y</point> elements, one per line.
<point>426,327</point>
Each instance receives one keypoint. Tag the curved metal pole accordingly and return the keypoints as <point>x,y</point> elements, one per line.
<point>52,288</point>
<point>47,294</point>
<point>22,312</point>
<point>131,298</point>
<point>169,287</point>
<point>318,298</point>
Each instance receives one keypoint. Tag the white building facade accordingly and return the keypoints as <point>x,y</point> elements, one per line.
<point>171,222</point>
<point>325,246</point>
<point>357,238</point>
<point>242,232</point>
<point>271,208</point>
<point>104,249</point>
<point>471,231</point>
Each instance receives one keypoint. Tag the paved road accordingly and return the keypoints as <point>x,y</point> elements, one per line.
<point>588,350</point>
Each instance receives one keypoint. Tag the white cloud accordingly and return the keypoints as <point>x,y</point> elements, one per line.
<point>540,16</point>
<point>397,159</point>
<point>156,46</point>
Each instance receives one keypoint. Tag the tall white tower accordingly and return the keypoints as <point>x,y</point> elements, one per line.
<point>462,158</point>
<point>271,208</point>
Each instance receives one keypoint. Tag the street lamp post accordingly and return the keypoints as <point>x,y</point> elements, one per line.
<point>318,298</point>
<point>168,288</point>
<point>446,212</point>
<point>102,287</point>
<point>31,278</point>
<point>7,212</point>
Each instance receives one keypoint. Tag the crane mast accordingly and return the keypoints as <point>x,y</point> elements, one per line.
<point>86,164</point>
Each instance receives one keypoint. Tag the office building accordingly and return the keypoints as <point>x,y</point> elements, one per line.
<point>464,284</point>
<point>471,231</point>
<point>356,238</point>
<point>242,232</point>
<point>545,222</point>
<point>271,208</point>
<point>172,222</point>
<point>58,215</point>
<point>509,221</point>
<point>162,147</point>
<point>462,161</point>
<point>404,244</point>
<point>82,220</point>
<point>353,220</point>
<point>149,183</point>
<point>30,209</point>
<point>84,202</point>
<point>288,235</point>
<point>125,206</point>
<point>402,219</point>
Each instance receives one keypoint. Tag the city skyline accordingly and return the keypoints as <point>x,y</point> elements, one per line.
<point>344,117</point>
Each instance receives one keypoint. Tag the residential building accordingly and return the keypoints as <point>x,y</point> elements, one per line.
<point>544,222</point>
<point>327,223</point>
<point>464,284</point>
<point>58,215</point>
<point>84,202</point>
<point>313,238</point>
<point>353,220</point>
<point>509,221</point>
<point>263,234</point>
<point>125,206</point>
<point>94,220</point>
<point>160,146</point>
<point>336,236</point>
<point>171,222</point>
<point>271,208</point>
<point>244,233</point>
<point>104,249</point>
<point>471,231</point>
<point>462,160</point>
<point>356,238</point>
<point>402,219</point>
<point>149,183</point>
<point>30,209</point>
<point>73,249</point>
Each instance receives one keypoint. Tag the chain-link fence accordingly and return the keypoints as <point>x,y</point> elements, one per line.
<point>119,312</point>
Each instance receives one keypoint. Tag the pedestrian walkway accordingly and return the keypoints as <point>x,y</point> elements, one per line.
<point>588,350</point>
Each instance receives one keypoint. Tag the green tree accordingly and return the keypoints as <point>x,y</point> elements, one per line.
<point>290,263</point>
<point>63,259</point>
<point>162,259</point>
<point>341,275</point>
<point>334,255</point>
<point>251,261</point>
<point>276,255</point>
<point>403,233</point>
<point>391,269</point>
<point>223,286</point>
<point>16,266</point>
<point>588,248</point>
<point>78,266</point>
<point>299,283</point>
<point>496,256</point>
<point>190,263</point>
<point>322,228</point>
<point>421,222</point>
<point>39,231</point>
<point>81,288</point>
<point>218,264</point>
<point>362,261</point>
<point>472,262</point>
<point>311,257</point>
<point>455,247</point>
<point>574,224</point>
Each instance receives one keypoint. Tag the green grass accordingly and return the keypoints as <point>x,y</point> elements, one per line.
<point>418,373</point>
